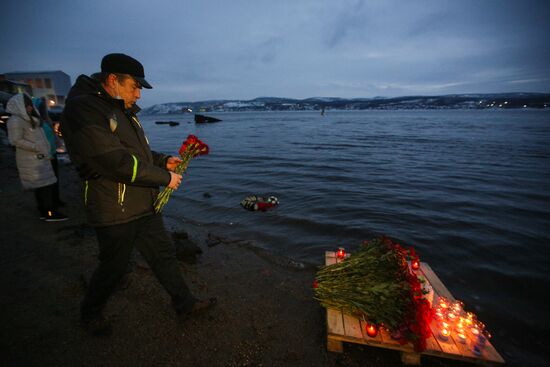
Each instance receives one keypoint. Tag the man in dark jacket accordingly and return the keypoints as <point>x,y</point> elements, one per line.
<point>107,144</point>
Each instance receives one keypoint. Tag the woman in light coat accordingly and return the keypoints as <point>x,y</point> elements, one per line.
<point>33,154</point>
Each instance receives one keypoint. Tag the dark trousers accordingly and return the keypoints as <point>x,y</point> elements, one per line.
<point>116,243</point>
<point>47,197</point>
<point>55,167</point>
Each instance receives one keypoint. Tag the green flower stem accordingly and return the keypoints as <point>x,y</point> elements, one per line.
<point>164,195</point>
<point>369,283</point>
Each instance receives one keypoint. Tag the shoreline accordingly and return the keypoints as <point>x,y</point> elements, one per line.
<point>266,314</point>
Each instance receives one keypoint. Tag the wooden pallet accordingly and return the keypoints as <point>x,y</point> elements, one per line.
<point>345,328</point>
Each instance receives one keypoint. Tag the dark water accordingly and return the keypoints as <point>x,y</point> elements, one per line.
<point>470,190</point>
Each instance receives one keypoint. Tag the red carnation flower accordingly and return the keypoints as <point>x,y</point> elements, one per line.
<point>192,147</point>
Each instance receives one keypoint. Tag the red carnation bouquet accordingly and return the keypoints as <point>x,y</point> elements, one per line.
<point>376,284</point>
<point>192,147</point>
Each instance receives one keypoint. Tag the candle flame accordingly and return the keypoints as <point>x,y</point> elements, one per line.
<point>372,330</point>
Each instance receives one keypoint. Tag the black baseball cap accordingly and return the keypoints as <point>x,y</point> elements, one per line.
<point>124,64</point>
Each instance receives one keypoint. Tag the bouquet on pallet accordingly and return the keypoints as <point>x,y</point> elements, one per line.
<point>191,148</point>
<point>377,284</point>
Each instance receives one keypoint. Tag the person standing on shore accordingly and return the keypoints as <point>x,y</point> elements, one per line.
<point>33,155</point>
<point>108,146</point>
<point>47,125</point>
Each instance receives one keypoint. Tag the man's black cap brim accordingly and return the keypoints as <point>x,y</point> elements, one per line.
<point>143,82</point>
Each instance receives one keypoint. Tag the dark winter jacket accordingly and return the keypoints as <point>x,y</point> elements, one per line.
<point>109,149</point>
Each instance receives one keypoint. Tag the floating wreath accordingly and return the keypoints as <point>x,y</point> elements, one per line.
<point>259,203</point>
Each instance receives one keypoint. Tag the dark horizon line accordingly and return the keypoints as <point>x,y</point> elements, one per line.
<point>367,98</point>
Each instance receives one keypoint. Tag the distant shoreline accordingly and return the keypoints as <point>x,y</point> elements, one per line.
<point>458,101</point>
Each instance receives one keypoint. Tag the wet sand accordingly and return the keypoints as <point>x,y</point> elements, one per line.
<point>266,314</point>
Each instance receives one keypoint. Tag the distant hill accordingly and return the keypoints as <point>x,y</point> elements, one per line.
<point>450,101</point>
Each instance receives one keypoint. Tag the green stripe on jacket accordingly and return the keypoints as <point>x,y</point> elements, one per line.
<point>134,174</point>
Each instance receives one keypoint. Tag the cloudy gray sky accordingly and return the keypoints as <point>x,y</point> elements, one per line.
<point>201,49</point>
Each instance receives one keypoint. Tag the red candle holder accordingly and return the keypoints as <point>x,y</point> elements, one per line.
<point>372,330</point>
<point>341,253</point>
<point>415,264</point>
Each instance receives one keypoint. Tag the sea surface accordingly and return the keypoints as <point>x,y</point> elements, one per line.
<point>469,189</point>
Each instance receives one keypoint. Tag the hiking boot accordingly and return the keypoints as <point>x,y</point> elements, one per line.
<point>54,216</point>
<point>97,326</point>
<point>199,307</point>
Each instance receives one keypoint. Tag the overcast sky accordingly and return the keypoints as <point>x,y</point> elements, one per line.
<point>197,50</point>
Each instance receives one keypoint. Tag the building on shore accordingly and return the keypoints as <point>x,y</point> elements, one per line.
<point>52,85</point>
<point>11,87</point>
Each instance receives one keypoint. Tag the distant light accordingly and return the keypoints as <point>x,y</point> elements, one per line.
<point>500,105</point>
<point>52,102</point>
<point>524,106</point>
<point>506,102</point>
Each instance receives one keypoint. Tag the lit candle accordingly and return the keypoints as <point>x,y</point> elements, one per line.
<point>341,253</point>
<point>372,330</point>
<point>480,326</point>
<point>451,316</point>
<point>443,303</point>
<point>444,325</point>
<point>415,264</point>
<point>444,334</point>
<point>458,307</point>
<point>477,328</point>
<point>461,336</point>
<point>470,318</point>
